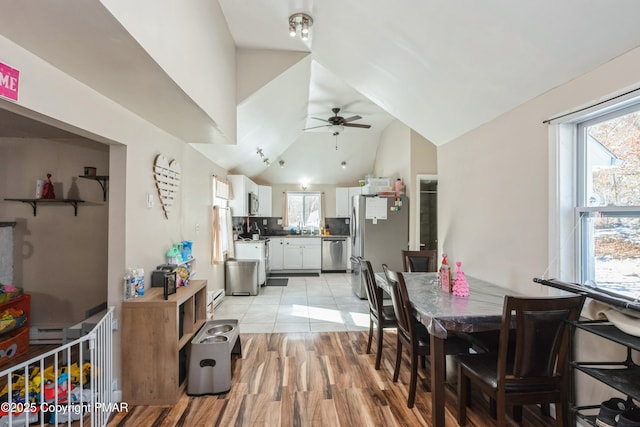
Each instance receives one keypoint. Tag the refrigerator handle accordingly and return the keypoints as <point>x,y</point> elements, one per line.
<point>352,224</point>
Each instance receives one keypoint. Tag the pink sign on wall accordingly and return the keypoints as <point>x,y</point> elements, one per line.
<point>9,79</point>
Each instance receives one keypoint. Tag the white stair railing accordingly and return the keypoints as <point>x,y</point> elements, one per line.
<point>71,383</point>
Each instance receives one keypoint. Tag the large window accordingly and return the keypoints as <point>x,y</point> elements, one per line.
<point>304,209</point>
<point>608,201</point>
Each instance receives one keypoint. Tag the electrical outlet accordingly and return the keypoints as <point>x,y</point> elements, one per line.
<point>197,228</point>
<point>279,221</point>
<point>114,324</point>
<point>346,220</point>
<point>149,200</point>
<point>264,221</point>
<point>114,384</point>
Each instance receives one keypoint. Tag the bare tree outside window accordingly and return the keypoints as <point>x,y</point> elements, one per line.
<point>609,211</point>
<point>304,209</point>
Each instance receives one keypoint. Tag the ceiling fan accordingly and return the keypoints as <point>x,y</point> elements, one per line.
<point>336,123</point>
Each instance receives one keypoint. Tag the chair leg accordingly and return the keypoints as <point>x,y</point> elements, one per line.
<point>545,409</point>
<point>379,349</point>
<point>370,335</point>
<point>396,371</point>
<point>501,409</point>
<point>463,397</point>
<point>517,413</point>
<point>492,408</point>
<point>562,413</point>
<point>413,380</point>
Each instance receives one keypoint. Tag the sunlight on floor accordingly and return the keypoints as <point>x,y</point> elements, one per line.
<point>325,314</point>
<point>360,319</point>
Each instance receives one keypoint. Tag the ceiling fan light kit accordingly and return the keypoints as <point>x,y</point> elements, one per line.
<point>301,21</point>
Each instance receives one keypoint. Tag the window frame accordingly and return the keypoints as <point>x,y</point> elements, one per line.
<point>584,256</point>
<point>305,195</point>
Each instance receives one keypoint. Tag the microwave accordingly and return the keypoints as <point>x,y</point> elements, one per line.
<point>252,207</point>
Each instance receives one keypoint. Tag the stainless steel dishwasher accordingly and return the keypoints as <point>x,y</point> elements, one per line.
<point>334,253</point>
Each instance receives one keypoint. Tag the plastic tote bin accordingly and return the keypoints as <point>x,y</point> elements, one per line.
<point>241,277</point>
<point>210,357</point>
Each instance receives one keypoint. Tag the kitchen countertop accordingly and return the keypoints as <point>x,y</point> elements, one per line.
<point>296,236</point>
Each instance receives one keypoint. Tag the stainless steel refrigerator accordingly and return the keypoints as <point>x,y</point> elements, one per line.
<point>379,232</point>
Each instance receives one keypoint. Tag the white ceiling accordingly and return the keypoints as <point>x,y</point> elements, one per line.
<point>441,68</point>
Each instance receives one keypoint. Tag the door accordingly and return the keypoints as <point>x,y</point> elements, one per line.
<point>428,224</point>
<point>292,254</point>
<point>276,257</point>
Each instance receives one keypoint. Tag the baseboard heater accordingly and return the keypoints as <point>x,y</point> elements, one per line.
<point>214,299</point>
<point>45,335</point>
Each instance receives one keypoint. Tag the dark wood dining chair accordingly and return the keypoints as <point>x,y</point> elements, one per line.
<point>413,334</point>
<point>420,261</point>
<point>380,315</point>
<point>535,372</point>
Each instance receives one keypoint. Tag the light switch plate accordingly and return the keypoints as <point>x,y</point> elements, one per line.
<point>264,221</point>
<point>346,220</point>
<point>279,221</point>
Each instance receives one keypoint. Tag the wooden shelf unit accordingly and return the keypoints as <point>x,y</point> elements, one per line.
<point>156,334</point>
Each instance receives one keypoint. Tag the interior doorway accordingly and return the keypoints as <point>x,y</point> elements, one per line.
<point>427,204</point>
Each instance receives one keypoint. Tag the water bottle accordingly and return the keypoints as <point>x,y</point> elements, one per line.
<point>128,285</point>
<point>140,280</point>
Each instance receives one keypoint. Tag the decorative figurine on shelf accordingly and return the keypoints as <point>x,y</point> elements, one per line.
<point>460,285</point>
<point>47,189</point>
<point>445,274</point>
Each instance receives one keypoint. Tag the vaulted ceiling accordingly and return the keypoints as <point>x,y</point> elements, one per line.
<point>441,68</point>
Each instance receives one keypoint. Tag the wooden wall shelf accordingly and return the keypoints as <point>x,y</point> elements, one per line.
<point>35,202</point>
<point>103,180</point>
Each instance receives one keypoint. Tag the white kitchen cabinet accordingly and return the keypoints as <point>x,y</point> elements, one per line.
<point>265,199</point>
<point>342,202</point>
<point>298,253</point>
<point>312,256</point>
<point>241,186</point>
<point>292,253</point>
<point>253,249</point>
<point>276,255</point>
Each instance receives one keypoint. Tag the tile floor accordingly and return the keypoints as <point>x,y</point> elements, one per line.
<point>306,304</point>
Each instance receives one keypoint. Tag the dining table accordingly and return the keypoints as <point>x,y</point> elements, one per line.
<point>443,313</point>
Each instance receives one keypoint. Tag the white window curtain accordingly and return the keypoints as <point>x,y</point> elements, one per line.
<point>221,235</point>
<point>285,209</point>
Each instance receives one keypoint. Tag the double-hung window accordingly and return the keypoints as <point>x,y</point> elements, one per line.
<point>304,209</point>
<point>607,205</point>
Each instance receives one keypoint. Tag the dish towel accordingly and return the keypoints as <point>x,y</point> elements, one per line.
<point>597,310</point>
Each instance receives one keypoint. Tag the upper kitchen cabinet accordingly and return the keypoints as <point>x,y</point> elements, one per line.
<point>243,191</point>
<point>265,199</point>
<point>344,200</point>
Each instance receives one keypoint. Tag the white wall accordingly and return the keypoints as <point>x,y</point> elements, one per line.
<point>493,182</point>
<point>138,236</point>
<point>403,153</point>
<point>493,202</point>
<point>60,259</point>
<point>192,43</point>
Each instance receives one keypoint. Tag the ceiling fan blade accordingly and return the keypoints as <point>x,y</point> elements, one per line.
<point>350,119</point>
<point>355,125</point>
<point>317,118</point>
<point>316,127</point>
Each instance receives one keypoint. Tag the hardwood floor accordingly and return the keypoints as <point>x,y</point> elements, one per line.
<point>314,379</point>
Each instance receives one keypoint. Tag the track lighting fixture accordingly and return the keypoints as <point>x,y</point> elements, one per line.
<point>302,21</point>
<point>265,160</point>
